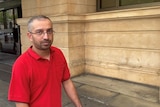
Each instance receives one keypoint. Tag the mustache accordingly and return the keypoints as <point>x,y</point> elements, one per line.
<point>46,40</point>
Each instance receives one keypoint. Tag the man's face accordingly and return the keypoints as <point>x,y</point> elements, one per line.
<point>42,34</point>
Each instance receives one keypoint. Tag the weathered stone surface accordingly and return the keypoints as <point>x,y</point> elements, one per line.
<point>127,88</point>
<point>125,101</point>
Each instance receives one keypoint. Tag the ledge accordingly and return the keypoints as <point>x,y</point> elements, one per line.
<point>125,13</point>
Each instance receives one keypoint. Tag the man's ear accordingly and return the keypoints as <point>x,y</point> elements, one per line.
<point>29,36</point>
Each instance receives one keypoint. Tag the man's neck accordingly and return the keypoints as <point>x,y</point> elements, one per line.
<point>43,53</point>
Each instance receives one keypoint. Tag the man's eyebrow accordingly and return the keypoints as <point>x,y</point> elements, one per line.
<point>44,29</point>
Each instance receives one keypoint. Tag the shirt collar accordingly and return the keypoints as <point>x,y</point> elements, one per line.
<point>35,55</point>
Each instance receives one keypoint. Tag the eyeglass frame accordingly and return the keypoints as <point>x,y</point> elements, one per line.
<point>41,32</point>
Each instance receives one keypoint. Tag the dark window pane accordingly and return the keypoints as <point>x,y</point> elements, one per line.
<point>134,2</point>
<point>107,3</point>
<point>122,4</point>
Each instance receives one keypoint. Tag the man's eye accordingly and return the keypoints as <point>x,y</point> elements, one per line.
<point>39,32</point>
<point>50,31</point>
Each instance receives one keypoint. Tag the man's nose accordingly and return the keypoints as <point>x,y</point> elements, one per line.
<point>45,35</point>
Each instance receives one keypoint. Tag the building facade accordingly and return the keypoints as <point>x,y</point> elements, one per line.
<point>122,44</point>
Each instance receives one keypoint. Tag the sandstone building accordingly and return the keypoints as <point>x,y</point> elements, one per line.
<point>122,44</point>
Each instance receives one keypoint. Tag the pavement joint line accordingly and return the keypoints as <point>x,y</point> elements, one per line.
<point>5,71</point>
<point>67,104</point>
<point>6,63</point>
<point>114,96</point>
<point>93,99</point>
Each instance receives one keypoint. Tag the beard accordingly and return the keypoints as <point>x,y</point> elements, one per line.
<point>43,45</point>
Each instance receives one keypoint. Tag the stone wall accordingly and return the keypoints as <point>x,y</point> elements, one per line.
<point>124,44</point>
<point>70,38</point>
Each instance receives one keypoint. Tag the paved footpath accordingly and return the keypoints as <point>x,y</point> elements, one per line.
<point>91,95</point>
<point>94,91</point>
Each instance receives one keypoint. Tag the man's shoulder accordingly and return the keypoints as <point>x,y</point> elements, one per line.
<point>23,57</point>
<point>56,49</point>
<point>57,52</point>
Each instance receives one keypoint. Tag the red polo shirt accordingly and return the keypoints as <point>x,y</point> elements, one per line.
<point>37,81</point>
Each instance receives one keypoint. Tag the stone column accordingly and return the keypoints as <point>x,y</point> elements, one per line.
<point>68,25</point>
<point>70,38</point>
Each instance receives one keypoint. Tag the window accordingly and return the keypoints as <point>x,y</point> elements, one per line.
<point>8,18</point>
<point>103,5</point>
<point>10,10</point>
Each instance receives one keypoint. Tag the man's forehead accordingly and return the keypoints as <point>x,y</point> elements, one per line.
<point>41,20</point>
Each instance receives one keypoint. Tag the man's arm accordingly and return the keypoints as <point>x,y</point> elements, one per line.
<point>71,92</point>
<point>18,104</point>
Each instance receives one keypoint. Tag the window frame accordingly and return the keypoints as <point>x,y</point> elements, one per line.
<point>117,7</point>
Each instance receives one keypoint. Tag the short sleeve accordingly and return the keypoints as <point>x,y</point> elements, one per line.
<point>19,84</point>
<point>66,73</point>
<point>61,65</point>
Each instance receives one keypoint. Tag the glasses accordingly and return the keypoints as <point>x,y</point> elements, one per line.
<point>41,32</point>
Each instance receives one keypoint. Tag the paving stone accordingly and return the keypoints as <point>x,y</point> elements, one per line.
<point>5,76</point>
<point>7,59</point>
<point>87,103</point>
<point>95,94</point>
<point>5,103</point>
<point>145,92</point>
<point>126,101</point>
<point>5,68</point>
<point>3,95</point>
<point>65,99</point>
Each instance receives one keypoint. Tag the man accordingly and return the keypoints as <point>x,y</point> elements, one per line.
<point>38,73</point>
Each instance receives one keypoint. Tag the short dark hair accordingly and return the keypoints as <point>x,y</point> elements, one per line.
<point>39,17</point>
